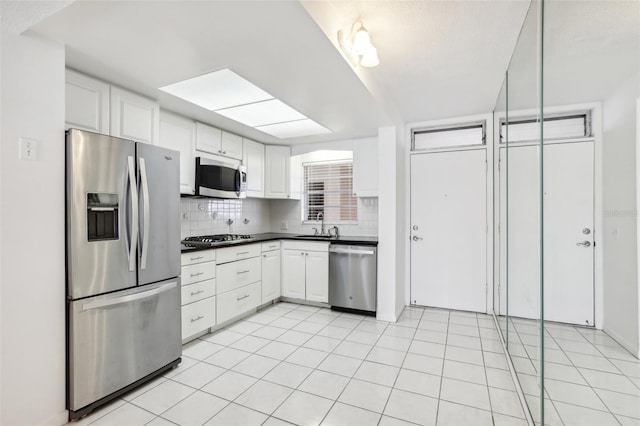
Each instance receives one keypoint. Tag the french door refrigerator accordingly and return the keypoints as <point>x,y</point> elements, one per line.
<point>123,266</point>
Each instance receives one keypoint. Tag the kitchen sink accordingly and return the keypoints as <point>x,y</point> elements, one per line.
<point>315,236</point>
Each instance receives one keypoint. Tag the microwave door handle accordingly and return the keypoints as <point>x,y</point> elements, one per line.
<point>238,181</point>
<point>133,190</point>
<point>144,245</point>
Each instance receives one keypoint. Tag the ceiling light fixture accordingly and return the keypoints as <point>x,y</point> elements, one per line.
<point>358,47</point>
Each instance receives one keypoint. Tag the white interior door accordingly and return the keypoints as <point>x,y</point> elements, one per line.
<point>568,232</point>
<point>448,230</point>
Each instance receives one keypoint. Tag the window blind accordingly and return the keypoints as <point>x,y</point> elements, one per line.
<point>328,189</point>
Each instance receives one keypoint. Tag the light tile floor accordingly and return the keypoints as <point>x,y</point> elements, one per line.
<point>295,364</point>
<point>590,379</point>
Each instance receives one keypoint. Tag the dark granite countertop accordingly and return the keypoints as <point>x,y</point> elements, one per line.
<point>260,238</point>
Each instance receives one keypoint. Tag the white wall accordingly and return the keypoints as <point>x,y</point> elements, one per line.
<point>388,305</point>
<point>619,236</point>
<point>402,195</point>
<point>32,296</point>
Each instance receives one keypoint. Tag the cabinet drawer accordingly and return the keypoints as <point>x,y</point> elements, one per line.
<point>198,257</point>
<point>198,272</point>
<point>271,245</point>
<point>237,274</point>
<point>237,302</point>
<point>229,254</point>
<point>198,316</point>
<point>305,245</point>
<point>198,291</point>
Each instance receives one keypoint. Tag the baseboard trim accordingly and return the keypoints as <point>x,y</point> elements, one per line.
<point>623,342</point>
<point>57,419</point>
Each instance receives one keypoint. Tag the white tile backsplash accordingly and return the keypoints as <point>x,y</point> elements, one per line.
<point>207,216</point>
<point>290,211</point>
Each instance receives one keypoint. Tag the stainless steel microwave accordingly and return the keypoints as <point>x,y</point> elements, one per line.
<point>217,178</point>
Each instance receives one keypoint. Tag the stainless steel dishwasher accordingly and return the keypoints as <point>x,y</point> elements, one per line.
<point>353,279</point>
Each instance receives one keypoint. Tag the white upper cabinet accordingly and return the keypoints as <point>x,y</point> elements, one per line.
<point>134,117</point>
<point>231,145</point>
<point>179,133</point>
<point>277,177</point>
<point>253,160</point>
<point>218,142</point>
<point>208,139</point>
<point>365,168</point>
<point>86,103</point>
<point>296,178</point>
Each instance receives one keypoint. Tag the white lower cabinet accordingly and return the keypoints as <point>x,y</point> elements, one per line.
<point>305,271</point>
<point>270,275</point>
<point>239,273</point>
<point>238,301</point>
<point>293,274</point>
<point>198,317</point>
<point>238,281</point>
<point>198,289</point>
<point>317,276</point>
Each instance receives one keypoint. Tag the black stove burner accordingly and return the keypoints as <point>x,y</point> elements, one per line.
<point>209,240</point>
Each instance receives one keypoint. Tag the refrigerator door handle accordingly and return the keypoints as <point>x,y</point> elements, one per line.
<point>128,298</point>
<point>144,245</point>
<point>134,213</point>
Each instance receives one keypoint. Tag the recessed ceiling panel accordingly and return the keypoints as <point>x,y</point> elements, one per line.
<point>262,113</point>
<point>294,129</point>
<point>217,90</point>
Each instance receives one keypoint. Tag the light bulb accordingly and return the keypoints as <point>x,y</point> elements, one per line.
<point>370,58</point>
<point>361,42</point>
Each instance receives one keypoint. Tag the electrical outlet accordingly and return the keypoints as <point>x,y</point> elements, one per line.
<point>28,149</point>
<point>284,225</point>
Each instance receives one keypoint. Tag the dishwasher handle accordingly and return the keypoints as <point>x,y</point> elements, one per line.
<point>351,251</point>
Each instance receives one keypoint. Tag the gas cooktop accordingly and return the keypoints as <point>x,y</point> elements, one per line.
<point>213,240</point>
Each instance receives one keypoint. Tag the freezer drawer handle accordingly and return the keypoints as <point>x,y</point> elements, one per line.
<point>244,272</point>
<point>197,274</point>
<point>198,318</point>
<point>347,251</point>
<point>128,298</point>
<point>193,293</point>
<point>243,297</point>
<point>197,258</point>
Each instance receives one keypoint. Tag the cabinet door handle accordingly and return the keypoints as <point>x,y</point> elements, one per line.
<point>224,152</point>
<point>264,255</point>
<point>198,318</point>
<point>243,252</point>
<point>197,274</point>
<point>243,297</point>
<point>193,293</point>
<point>243,272</point>
<point>197,258</point>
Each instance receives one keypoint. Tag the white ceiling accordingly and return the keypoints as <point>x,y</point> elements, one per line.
<point>590,49</point>
<point>438,59</point>
<point>144,45</point>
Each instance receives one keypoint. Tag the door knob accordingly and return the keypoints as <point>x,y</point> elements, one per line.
<point>584,244</point>
<point>586,231</point>
<point>416,238</point>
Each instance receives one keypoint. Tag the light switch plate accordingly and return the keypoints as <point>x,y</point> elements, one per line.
<point>28,149</point>
<point>284,225</point>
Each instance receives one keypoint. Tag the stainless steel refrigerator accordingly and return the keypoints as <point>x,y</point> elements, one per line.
<point>123,266</point>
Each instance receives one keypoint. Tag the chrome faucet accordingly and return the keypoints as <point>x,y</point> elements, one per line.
<point>320,217</point>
